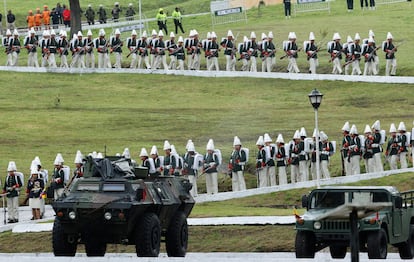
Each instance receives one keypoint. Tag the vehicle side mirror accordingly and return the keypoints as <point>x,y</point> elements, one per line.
<point>305,201</point>
<point>398,202</point>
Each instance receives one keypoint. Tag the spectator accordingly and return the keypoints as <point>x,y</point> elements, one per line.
<point>46,17</point>
<point>30,19</point>
<point>90,15</point>
<point>1,24</point>
<point>38,19</point>
<point>286,3</point>
<point>176,15</point>
<point>162,21</point>
<point>102,15</point>
<point>10,20</point>
<point>55,18</point>
<point>362,4</point>
<point>350,5</point>
<point>115,12</point>
<point>130,12</point>
<point>66,16</point>
<point>59,9</point>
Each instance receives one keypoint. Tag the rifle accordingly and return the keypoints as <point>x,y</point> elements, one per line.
<point>32,47</point>
<point>116,47</point>
<point>133,51</point>
<point>335,55</point>
<point>290,55</point>
<point>389,54</point>
<point>314,53</point>
<point>63,51</point>
<point>244,56</point>
<point>269,55</point>
<point>213,53</point>
<point>371,54</point>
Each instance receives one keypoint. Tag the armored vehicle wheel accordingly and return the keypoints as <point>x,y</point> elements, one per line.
<point>337,251</point>
<point>377,244</point>
<point>62,244</point>
<point>148,236</point>
<point>94,247</point>
<point>406,249</point>
<point>305,244</point>
<point>177,236</point>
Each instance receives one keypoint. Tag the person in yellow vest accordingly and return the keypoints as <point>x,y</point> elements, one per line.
<point>162,21</point>
<point>176,15</point>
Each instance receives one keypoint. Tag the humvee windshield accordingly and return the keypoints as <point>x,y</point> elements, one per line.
<point>333,199</point>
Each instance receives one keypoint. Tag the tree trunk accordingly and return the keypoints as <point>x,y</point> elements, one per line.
<point>75,17</point>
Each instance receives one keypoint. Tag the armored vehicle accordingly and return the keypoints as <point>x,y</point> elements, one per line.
<point>384,216</point>
<point>116,202</point>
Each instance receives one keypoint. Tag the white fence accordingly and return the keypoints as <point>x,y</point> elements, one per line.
<point>303,7</point>
<point>223,12</point>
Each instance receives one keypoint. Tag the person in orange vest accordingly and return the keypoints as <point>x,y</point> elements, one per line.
<point>46,17</point>
<point>38,19</point>
<point>30,19</point>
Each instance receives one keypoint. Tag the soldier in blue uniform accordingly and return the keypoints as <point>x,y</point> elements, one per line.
<point>311,51</point>
<point>403,142</point>
<point>143,51</point>
<point>15,46</point>
<point>280,157</point>
<point>229,51</point>
<point>169,161</point>
<point>346,142</point>
<point>335,49</point>
<point>294,158</point>
<point>261,164</point>
<point>391,62</point>
<point>180,54</point>
<point>354,151</point>
<point>252,51</point>
<point>12,186</point>
<point>171,46</point>
<point>101,45</point>
<point>269,53</point>
<point>327,150</point>
<point>348,54</point>
<point>291,50</point>
<point>160,56</point>
<point>212,52</point>
<point>356,55</point>
<point>392,148</point>
<point>377,147</point>
<point>368,51</point>
<point>367,154</point>
<point>34,190</point>
<point>237,164</point>
<point>58,177</point>
<point>63,46</point>
<point>31,42</point>
<point>116,47</point>
<point>157,162</point>
<point>270,150</point>
<point>132,45</point>
<point>211,162</point>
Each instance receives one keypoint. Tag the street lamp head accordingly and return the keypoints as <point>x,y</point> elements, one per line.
<point>315,98</point>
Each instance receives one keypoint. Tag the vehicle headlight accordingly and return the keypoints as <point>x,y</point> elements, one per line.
<point>317,225</point>
<point>72,215</point>
<point>108,215</point>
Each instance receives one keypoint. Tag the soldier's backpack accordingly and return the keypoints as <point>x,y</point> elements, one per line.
<point>362,141</point>
<point>308,142</point>
<point>383,137</point>
<point>21,176</point>
<point>407,138</point>
<point>329,46</point>
<point>306,46</point>
<point>285,45</point>
<point>198,161</point>
<point>334,148</point>
<point>66,171</point>
<point>246,152</point>
<point>217,152</point>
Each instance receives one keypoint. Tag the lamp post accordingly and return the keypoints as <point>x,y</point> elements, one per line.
<point>315,98</point>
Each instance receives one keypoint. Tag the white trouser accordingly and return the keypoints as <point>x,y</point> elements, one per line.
<point>281,170</point>
<point>58,193</point>
<point>370,69</point>
<point>303,171</point>
<point>173,62</point>
<point>253,64</point>
<point>393,162</point>
<point>262,177</point>
<point>293,68</point>
<point>13,207</point>
<point>356,69</point>
<point>245,65</point>
<point>337,68</point>
<point>391,67</point>
<point>64,61</point>
<point>211,183</point>
<point>9,61</point>
<point>346,69</point>
<point>237,181</point>
<point>214,64</point>
<point>313,64</point>
<point>161,60</point>
<point>264,64</point>
<point>90,60</point>
<point>189,61</point>
<point>52,60</point>
<point>325,169</point>
<point>82,61</point>
<point>102,60</point>
<point>144,59</point>
<point>355,168</point>
<point>377,65</point>
<point>208,61</point>
<point>378,167</point>
<point>196,62</point>
<point>370,165</point>
<point>118,60</point>
<point>152,61</point>
<point>347,166</point>
<point>193,181</point>
<point>180,64</point>
<point>32,59</point>
<point>403,159</point>
<point>294,173</point>
<point>230,63</point>
<point>313,170</point>
<point>134,61</point>
<point>271,174</point>
<point>270,63</point>
<point>45,59</point>
<point>15,59</point>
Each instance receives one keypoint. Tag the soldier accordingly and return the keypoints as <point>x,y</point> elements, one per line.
<point>180,53</point>
<point>169,161</point>
<point>58,177</point>
<point>354,151</point>
<point>313,155</point>
<point>238,160</point>
<point>294,158</point>
<point>179,161</point>
<point>102,15</point>
<point>368,51</point>
<point>391,62</point>
<point>348,54</point>
<point>303,157</point>
<point>377,146</point>
<point>147,162</point>
<point>132,45</point>
<point>260,47</point>
<point>116,46</point>
<point>280,155</point>
<point>161,18</point>
<point>78,51</point>
<point>130,12</point>
<point>391,154</point>
<point>346,142</point>
<point>403,142</point>
<point>34,191</point>
<point>52,47</point>
<point>90,15</point>
<point>12,185</point>
<point>211,162</point>
<point>212,52</point>
<point>187,45</point>
<point>229,51</point>
<point>252,49</point>
<point>335,49</point>
<point>376,57</point>
<point>30,43</point>
<point>368,150</point>
<point>195,51</point>
<point>269,50</point>
<point>160,57</point>
<point>327,150</point>
<point>356,55</point>
<point>44,175</point>
<point>178,19</point>
<point>190,167</point>
<point>143,52</point>
<point>270,150</point>
<point>244,57</point>
<point>151,45</point>
<point>172,46</point>
<point>15,46</point>
<point>261,164</point>
<point>156,160</point>
<point>311,51</point>
<point>89,53</point>
<point>44,47</point>
<point>8,48</point>
<point>101,45</point>
<point>204,45</point>
<point>63,45</point>
<point>116,11</point>
<point>79,169</point>
<point>292,50</point>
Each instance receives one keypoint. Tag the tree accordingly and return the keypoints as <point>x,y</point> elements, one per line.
<point>75,17</point>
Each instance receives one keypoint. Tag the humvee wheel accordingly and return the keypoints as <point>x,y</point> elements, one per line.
<point>61,244</point>
<point>148,236</point>
<point>377,244</point>
<point>305,244</point>
<point>94,247</point>
<point>337,251</point>
<point>177,236</point>
<point>406,249</point>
